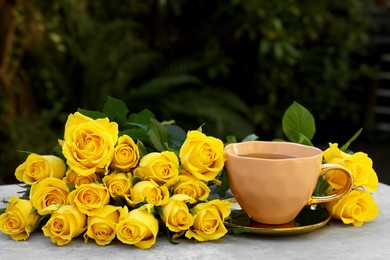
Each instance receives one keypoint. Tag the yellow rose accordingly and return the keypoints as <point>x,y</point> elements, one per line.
<point>355,208</point>
<point>126,155</point>
<point>50,191</point>
<point>89,198</point>
<point>162,167</point>
<point>334,155</point>
<point>203,156</point>
<point>101,228</point>
<point>88,144</point>
<point>66,223</point>
<point>363,174</point>
<point>148,192</point>
<point>38,167</point>
<point>208,220</point>
<point>176,215</point>
<point>358,163</point>
<point>118,184</point>
<point>191,186</point>
<point>76,180</point>
<point>19,220</point>
<point>336,179</point>
<point>138,228</point>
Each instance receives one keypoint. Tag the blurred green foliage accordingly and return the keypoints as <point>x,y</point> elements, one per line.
<point>233,65</point>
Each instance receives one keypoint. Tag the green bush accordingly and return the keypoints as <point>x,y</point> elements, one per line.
<point>233,66</point>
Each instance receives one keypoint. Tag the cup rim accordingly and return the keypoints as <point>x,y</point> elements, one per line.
<point>229,149</point>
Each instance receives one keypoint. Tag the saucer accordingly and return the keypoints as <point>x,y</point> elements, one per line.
<point>309,219</point>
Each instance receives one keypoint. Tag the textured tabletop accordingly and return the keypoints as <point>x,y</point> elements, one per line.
<point>333,241</point>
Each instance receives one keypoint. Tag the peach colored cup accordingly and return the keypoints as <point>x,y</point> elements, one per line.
<point>274,191</point>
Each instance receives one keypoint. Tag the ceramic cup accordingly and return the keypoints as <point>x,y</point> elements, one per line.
<point>274,190</point>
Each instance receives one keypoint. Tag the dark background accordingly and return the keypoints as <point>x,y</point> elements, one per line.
<point>234,66</point>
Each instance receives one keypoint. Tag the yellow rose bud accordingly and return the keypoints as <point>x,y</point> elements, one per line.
<point>334,155</point>
<point>138,228</point>
<point>203,156</point>
<point>355,208</point>
<point>88,144</point>
<point>176,215</point>
<point>118,184</point>
<point>19,220</point>
<point>38,167</point>
<point>50,191</point>
<point>191,186</point>
<point>89,198</point>
<point>162,167</point>
<point>148,192</point>
<point>65,224</point>
<point>101,227</point>
<point>76,180</point>
<point>208,220</point>
<point>126,155</point>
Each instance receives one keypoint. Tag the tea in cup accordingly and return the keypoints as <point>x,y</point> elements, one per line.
<point>274,181</point>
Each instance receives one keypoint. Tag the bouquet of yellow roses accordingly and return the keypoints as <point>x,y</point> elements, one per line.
<point>119,176</point>
<point>131,177</point>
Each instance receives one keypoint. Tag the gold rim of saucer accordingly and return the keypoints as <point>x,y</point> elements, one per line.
<point>308,220</point>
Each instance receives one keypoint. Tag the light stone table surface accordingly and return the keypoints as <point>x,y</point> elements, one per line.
<point>333,241</point>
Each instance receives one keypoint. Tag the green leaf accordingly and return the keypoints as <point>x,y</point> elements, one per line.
<point>26,152</point>
<point>135,134</point>
<point>158,135</point>
<point>42,221</point>
<point>170,238</point>
<point>353,138</point>
<point>135,180</point>
<point>71,187</point>
<point>298,123</point>
<point>321,187</point>
<point>119,202</point>
<point>142,119</point>
<point>57,151</point>
<point>2,210</point>
<point>142,149</point>
<point>169,122</point>
<point>251,137</point>
<point>159,211</point>
<point>92,114</point>
<point>222,189</point>
<point>236,231</point>
<point>301,139</point>
<point>24,186</point>
<point>26,193</point>
<point>231,139</point>
<point>240,218</point>
<point>176,137</point>
<point>115,109</point>
<point>200,128</point>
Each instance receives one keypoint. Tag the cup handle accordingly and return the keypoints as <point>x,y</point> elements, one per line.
<point>339,193</point>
